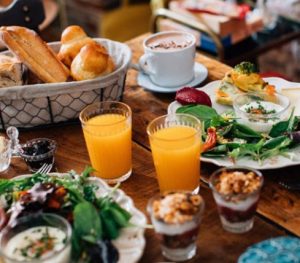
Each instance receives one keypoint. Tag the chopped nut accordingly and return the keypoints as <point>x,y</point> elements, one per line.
<point>238,182</point>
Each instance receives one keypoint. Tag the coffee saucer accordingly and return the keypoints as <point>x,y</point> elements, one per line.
<point>201,73</point>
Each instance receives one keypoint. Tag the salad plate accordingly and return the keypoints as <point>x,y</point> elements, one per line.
<point>131,241</point>
<point>270,163</point>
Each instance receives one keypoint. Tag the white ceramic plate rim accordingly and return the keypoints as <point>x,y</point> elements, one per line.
<point>271,163</point>
<point>131,242</point>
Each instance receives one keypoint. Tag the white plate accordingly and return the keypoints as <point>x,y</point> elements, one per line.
<point>131,242</point>
<point>200,75</point>
<point>271,163</point>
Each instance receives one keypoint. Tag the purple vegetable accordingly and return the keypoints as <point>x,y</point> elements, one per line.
<point>295,136</point>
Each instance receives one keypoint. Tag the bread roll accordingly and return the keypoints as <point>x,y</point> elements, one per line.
<point>11,72</point>
<point>72,40</point>
<point>92,61</point>
<point>30,49</point>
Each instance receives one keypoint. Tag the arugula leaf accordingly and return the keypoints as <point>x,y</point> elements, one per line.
<point>87,171</point>
<point>248,149</point>
<point>284,126</point>
<point>218,151</point>
<point>279,148</point>
<point>275,142</point>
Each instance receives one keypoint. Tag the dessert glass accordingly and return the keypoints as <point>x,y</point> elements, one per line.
<point>37,152</point>
<point>236,191</point>
<point>13,242</point>
<point>107,131</point>
<point>175,141</point>
<point>178,230</point>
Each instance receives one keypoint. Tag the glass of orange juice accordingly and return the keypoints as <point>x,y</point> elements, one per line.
<point>107,132</point>
<point>175,142</point>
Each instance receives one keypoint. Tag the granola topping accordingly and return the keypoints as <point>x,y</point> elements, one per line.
<point>238,182</point>
<point>177,208</point>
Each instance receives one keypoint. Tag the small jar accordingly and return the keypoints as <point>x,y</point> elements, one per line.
<point>37,152</point>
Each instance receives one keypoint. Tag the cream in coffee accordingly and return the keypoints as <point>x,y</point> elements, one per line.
<point>169,42</point>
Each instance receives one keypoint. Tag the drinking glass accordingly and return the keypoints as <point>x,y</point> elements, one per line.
<point>5,154</point>
<point>175,141</point>
<point>23,240</point>
<point>107,132</point>
<point>178,228</point>
<point>236,210</point>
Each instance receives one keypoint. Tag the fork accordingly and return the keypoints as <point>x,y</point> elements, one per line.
<point>45,168</point>
<point>290,185</point>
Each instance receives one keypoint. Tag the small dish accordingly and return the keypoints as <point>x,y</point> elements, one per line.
<point>260,111</point>
<point>200,75</point>
<point>50,239</point>
<point>37,152</point>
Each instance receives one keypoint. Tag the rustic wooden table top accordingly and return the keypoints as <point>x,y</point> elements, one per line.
<point>278,212</point>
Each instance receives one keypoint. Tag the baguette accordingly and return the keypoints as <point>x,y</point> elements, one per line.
<point>31,50</point>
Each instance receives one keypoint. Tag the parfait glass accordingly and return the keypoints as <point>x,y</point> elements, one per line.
<point>236,191</point>
<point>176,218</point>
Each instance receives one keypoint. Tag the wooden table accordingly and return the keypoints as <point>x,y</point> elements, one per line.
<point>278,212</point>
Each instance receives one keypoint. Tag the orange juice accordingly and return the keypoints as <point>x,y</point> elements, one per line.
<point>108,139</point>
<point>176,155</point>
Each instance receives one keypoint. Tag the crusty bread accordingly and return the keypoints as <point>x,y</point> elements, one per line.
<point>30,49</point>
<point>11,71</point>
<point>72,40</point>
<point>92,61</point>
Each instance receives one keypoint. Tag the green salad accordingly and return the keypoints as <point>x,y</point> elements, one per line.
<point>95,220</point>
<point>223,136</point>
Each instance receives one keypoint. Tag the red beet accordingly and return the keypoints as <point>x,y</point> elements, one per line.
<point>188,95</point>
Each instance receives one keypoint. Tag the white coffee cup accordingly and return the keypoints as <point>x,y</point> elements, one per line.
<point>169,58</point>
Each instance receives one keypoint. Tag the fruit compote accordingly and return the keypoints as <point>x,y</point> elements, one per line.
<point>236,192</point>
<point>176,218</point>
<point>37,152</point>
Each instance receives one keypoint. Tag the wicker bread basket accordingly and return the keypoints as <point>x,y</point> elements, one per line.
<point>46,104</point>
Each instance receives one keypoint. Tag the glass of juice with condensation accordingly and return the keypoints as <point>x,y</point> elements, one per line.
<point>175,141</point>
<point>107,132</point>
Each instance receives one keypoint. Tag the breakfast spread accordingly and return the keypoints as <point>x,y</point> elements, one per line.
<point>236,192</point>
<point>26,45</point>
<point>242,78</point>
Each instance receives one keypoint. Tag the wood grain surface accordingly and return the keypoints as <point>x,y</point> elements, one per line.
<point>279,209</point>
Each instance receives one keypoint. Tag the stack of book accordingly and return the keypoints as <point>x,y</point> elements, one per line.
<point>229,29</point>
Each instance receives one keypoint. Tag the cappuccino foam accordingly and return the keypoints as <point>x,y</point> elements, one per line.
<point>169,42</point>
